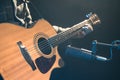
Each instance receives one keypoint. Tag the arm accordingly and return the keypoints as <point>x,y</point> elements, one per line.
<point>19,8</point>
<point>22,12</point>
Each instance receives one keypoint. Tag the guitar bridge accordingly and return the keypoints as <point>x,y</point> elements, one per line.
<point>26,55</point>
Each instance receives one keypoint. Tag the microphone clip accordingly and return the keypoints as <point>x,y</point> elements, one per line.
<point>114,44</point>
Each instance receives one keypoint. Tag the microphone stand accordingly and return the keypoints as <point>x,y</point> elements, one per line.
<point>114,44</point>
<point>91,54</point>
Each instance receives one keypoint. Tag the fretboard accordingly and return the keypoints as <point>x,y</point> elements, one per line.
<point>65,35</point>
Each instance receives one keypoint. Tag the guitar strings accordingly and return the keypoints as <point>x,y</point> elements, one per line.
<point>44,45</point>
<point>55,40</point>
<point>33,50</point>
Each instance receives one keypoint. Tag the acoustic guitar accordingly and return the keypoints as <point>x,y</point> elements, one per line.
<point>31,54</point>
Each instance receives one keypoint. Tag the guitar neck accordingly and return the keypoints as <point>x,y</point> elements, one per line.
<point>63,36</point>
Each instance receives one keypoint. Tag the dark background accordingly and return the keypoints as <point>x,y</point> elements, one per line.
<point>69,12</point>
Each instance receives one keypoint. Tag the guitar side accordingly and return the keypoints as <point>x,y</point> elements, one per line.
<point>13,66</point>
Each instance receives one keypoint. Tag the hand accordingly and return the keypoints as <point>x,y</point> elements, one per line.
<point>84,31</point>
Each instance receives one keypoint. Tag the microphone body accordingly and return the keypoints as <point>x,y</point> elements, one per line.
<point>83,53</point>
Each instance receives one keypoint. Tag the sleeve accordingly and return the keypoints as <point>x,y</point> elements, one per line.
<point>59,29</point>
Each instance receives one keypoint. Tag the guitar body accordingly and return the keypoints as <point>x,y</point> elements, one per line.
<point>15,41</point>
<point>31,54</point>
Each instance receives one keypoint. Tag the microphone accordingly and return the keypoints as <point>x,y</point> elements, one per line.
<point>83,53</point>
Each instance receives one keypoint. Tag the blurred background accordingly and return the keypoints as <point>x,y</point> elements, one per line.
<point>66,13</point>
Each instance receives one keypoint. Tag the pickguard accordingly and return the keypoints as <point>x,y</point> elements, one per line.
<point>45,64</point>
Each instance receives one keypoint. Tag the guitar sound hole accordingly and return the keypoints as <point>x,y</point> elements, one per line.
<point>44,46</point>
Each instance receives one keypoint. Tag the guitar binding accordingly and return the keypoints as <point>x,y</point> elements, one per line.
<point>43,46</point>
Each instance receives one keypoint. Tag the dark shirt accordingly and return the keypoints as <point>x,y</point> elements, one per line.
<point>6,11</point>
